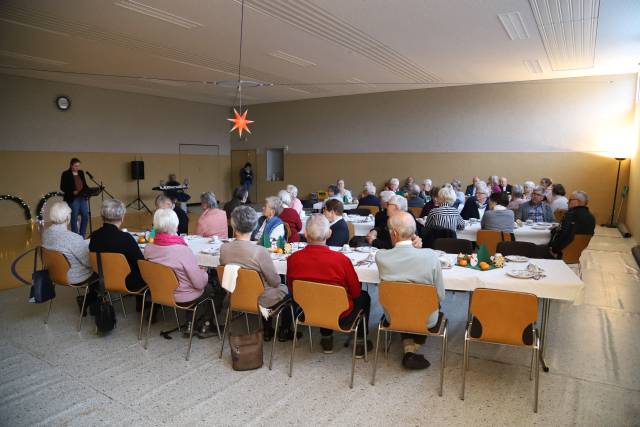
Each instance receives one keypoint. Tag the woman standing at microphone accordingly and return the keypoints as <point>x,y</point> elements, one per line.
<point>74,185</point>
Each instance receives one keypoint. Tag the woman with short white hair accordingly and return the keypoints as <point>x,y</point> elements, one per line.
<point>296,204</point>
<point>528,187</point>
<point>171,250</point>
<point>290,216</point>
<point>58,238</point>
<point>445,215</point>
<point>212,221</point>
<point>270,227</point>
<point>394,184</point>
<point>345,195</point>
<point>368,197</point>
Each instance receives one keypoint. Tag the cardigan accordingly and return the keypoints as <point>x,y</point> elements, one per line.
<point>213,222</point>
<point>339,233</point>
<point>291,217</point>
<point>68,186</point>
<point>110,238</point>
<point>254,257</point>
<point>57,238</point>
<point>498,219</point>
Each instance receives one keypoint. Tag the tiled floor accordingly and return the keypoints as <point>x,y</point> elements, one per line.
<point>55,376</point>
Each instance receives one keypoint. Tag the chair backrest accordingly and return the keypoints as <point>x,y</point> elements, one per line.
<point>321,303</point>
<point>287,232</point>
<point>559,214</point>
<point>372,209</point>
<point>571,254</point>
<point>429,235</point>
<point>503,316</point>
<point>249,287</point>
<point>162,281</point>
<point>416,211</point>
<point>58,266</point>
<point>491,238</point>
<point>527,249</point>
<point>408,305</point>
<point>352,231</point>
<point>453,246</point>
<point>115,270</point>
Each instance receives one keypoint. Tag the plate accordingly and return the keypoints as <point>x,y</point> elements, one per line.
<point>210,251</point>
<point>366,249</point>
<point>543,223</point>
<point>445,263</point>
<point>516,258</point>
<point>540,227</point>
<point>520,274</point>
<point>439,252</point>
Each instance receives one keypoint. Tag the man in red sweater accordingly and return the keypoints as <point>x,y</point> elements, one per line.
<point>318,263</point>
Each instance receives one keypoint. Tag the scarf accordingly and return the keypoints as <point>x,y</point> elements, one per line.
<point>164,239</point>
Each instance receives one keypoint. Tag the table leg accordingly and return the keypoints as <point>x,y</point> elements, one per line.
<point>546,304</point>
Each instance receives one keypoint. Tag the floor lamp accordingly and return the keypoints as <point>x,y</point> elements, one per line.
<point>615,194</point>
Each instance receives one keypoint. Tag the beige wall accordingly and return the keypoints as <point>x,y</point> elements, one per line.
<point>633,208</point>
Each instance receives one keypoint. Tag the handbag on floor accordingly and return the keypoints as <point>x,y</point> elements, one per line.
<point>105,315</point>
<point>42,288</point>
<point>246,350</point>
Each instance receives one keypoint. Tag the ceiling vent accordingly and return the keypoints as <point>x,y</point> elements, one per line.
<point>533,65</point>
<point>160,14</point>
<point>514,25</point>
<point>292,59</point>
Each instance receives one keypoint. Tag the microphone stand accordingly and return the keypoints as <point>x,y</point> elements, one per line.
<point>102,190</point>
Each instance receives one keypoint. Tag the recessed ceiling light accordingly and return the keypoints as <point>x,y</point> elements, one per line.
<point>242,83</point>
<point>292,59</point>
<point>160,14</point>
<point>514,25</point>
<point>165,82</point>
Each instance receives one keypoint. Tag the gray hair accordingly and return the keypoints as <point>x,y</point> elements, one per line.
<point>494,179</point>
<point>399,201</point>
<point>403,224</point>
<point>317,228</point>
<point>285,197</point>
<point>386,195</point>
<point>517,191</point>
<point>447,195</point>
<point>582,196</point>
<point>244,219</point>
<point>293,190</point>
<point>481,187</point>
<point>165,220</point>
<point>394,181</point>
<point>540,189</point>
<point>370,188</point>
<point>113,210</point>
<point>60,213</point>
<point>427,182</point>
<point>274,203</point>
<point>162,201</point>
<point>456,183</point>
<point>415,190</point>
<point>209,199</point>
<point>529,185</point>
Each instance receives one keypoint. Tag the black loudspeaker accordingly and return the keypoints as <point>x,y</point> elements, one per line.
<point>137,169</point>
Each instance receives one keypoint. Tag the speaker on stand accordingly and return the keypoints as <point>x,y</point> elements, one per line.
<point>137,173</point>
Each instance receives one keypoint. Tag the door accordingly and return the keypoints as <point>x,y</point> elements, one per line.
<point>238,160</point>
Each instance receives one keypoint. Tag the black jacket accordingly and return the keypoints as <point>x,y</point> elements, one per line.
<point>469,190</point>
<point>577,220</point>
<point>470,209</point>
<point>183,220</point>
<point>246,176</point>
<point>339,234</point>
<point>109,238</point>
<point>68,185</point>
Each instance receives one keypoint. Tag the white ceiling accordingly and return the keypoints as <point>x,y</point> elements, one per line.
<point>315,48</point>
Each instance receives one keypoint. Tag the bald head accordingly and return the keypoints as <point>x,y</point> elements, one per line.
<point>402,225</point>
<point>317,229</point>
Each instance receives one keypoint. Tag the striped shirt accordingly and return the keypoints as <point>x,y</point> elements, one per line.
<point>445,216</point>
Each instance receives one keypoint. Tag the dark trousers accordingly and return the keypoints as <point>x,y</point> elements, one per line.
<point>205,311</point>
<point>363,302</point>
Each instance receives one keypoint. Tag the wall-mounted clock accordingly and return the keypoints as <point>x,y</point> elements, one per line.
<point>63,103</point>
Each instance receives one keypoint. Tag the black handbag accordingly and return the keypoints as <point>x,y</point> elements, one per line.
<point>104,313</point>
<point>42,288</point>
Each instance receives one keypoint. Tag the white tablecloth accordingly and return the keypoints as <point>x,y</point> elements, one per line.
<point>347,207</point>
<point>523,234</point>
<point>361,224</point>
<point>560,283</point>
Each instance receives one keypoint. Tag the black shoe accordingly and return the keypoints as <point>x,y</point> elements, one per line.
<point>415,361</point>
<point>206,331</point>
<point>267,333</point>
<point>360,348</point>
<point>327,344</point>
<point>287,335</point>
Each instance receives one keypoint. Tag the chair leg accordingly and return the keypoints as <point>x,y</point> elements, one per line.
<point>146,340</point>
<point>293,347</point>
<point>353,355</point>
<point>533,355</point>
<point>175,312</point>
<point>164,317</point>
<point>193,326</point>
<point>246,319</point>
<point>386,346</point>
<point>124,311</point>
<point>375,358</point>
<point>464,365</point>
<point>366,351</point>
<point>273,340</point>
<point>536,378</point>
<point>84,301</point>
<point>46,319</point>
<point>144,297</point>
<point>310,341</point>
<point>215,317</point>
<point>443,359</point>
<point>225,331</point>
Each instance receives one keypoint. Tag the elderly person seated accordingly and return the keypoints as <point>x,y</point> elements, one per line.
<point>345,195</point>
<point>270,227</point>
<point>405,263</point>
<point>369,196</point>
<point>558,199</point>
<point>296,204</point>
<point>171,250</point>
<point>505,187</point>
<point>164,202</point>
<point>239,198</point>
<point>494,184</point>
<point>212,221</point>
<point>457,187</point>
<point>75,249</point>
<point>109,238</point>
<point>517,197</point>
<point>290,216</point>
<point>408,185</point>
<point>432,203</point>
<point>578,220</point>
<point>317,263</point>
<point>471,188</point>
<point>413,197</point>
<point>527,188</point>
<point>475,206</point>
<point>547,184</point>
<point>394,185</point>
<point>333,192</point>
<point>339,229</point>
<point>445,215</point>
<point>380,237</point>
<point>498,217</point>
<point>535,210</point>
<point>425,191</point>
<point>243,252</point>
<point>381,217</point>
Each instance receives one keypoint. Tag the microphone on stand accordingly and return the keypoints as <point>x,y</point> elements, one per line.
<point>89,173</point>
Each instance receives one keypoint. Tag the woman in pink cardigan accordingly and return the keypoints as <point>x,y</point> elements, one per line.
<point>212,221</point>
<point>193,281</point>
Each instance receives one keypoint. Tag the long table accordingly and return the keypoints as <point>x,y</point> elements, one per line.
<point>540,235</point>
<point>361,224</point>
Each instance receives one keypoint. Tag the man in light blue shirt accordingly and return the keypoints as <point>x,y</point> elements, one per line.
<point>405,263</point>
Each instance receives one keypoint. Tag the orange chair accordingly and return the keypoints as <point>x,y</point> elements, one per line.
<point>58,267</point>
<point>407,307</point>
<point>352,231</point>
<point>491,238</point>
<point>162,282</point>
<point>507,318</point>
<point>559,214</point>
<point>416,211</point>
<point>115,270</point>
<point>287,232</point>
<point>372,209</point>
<point>571,254</point>
<point>321,306</point>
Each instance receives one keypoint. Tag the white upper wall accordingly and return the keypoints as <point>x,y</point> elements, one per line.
<point>102,120</point>
<point>551,115</point>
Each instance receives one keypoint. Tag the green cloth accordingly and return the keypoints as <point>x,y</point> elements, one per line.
<point>483,255</point>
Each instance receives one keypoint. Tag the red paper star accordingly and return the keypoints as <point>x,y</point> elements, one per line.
<point>240,122</point>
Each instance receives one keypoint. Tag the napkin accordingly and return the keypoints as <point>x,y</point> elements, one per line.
<point>483,254</point>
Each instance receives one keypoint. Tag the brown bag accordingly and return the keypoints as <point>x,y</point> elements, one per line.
<point>246,351</point>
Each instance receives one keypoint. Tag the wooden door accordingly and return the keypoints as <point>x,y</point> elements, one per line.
<point>238,160</point>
